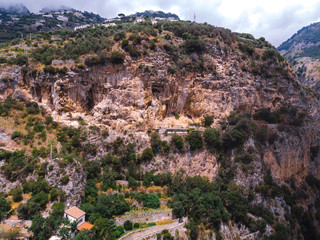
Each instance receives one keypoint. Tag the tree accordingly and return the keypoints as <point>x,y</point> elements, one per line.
<point>57,209</point>
<point>4,207</point>
<point>152,201</point>
<point>194,230</point>
<point>54,194</point>
<point>147,155</point>
<point>178,209</point>
<point>148,177</point>
<point>16,194</point>
<point>195,140</point>
<point>103,225</point>
<point>212,138</point>
<point>233,138</point>
<point>166,235</point>
<point>39,228</point>
<point>132,183</point>
<point>177,141</point>
<point>207,121</point>
<point>81,236</point>
<point>127,225</point>
<point>194,45</point>
<point>117,57</point>
<point>28,210</point>
<point>21,59</point>
<point>64,233</point>
<point>120,229</point>
<point>155,142</point>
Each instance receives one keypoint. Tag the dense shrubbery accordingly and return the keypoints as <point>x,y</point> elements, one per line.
<point>266,115</point>
<point>127,225</point>
<point>14,162</point>
<point>9,104</point>
<point>106,206</point>
<point>212,138</point>
<point>73,49</point>
<point>152,201</point>
<point>20,59</point>
<point>16,194</point>
<point>117,57</point>
<point>194,45</point>
<point>177,141</point>
<point>286,114</point>
<point>207,120</point>
<point>4,207</point>
<point>195,140</point>
<point>147,154</point>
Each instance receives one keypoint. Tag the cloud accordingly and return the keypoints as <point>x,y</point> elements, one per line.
<point>275,20</point>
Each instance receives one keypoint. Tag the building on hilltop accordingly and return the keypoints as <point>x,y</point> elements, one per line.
<point>81,27</point>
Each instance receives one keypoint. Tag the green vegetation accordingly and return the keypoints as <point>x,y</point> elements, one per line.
<point>212,138</point>
<point>152,201</point>
<point>207,121</point>
<point>206,203</point>
<point>16,194</point>
<point>127,225</point>
<point>195,140</point>
<point>4,207</point>
<point>178,142</point>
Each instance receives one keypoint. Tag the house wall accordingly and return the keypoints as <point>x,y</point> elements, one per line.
<point>81,221</point>
<point>71,219</point>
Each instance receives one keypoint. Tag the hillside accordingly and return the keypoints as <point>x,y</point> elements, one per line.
<point>303,51</point>
<point>166,115</point>
<point>17,22</point>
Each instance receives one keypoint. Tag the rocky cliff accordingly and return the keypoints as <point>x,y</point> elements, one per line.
<point>141,94</point>
<point>175,80</point>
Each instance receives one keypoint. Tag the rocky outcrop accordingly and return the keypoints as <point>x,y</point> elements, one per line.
<point>76,185</point>
<point>142,94</point>
<point>74,189</point>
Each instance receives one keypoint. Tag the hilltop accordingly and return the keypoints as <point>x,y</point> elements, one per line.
<point>155,14</point>
<point>189,119</point>
<point>15,10</point>
<point>17,22</point>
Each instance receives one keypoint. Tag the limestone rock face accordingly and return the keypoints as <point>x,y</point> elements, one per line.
<point>75,188</point>
<point>142,94</point>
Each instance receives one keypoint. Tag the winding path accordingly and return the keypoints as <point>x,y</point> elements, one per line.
<point>148,232</point>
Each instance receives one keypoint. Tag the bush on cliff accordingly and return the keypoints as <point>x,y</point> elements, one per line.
<point>152,201</point>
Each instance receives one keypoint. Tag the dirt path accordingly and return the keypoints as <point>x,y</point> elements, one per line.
<point>144,233</point>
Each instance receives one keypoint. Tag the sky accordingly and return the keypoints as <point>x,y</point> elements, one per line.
<point>276,20</point>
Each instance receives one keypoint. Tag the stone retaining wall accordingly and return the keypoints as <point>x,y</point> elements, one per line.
<point>145,217</point>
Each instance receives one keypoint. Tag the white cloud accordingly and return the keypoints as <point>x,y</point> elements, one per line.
<point>276,20</point>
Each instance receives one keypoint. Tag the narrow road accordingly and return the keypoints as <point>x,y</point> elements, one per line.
<point>159,231</point>
<point>147,232</point>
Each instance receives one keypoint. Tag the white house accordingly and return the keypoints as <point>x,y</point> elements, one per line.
<point>139,19</point>
<point>79,216</point>
<point>109,24</point>
<point>62,18</point>
<point>81,27</point>
<point>75,214</point>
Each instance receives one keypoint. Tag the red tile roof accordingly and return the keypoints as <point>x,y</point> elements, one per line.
<point>85,226</point>
<point>75,212</point>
